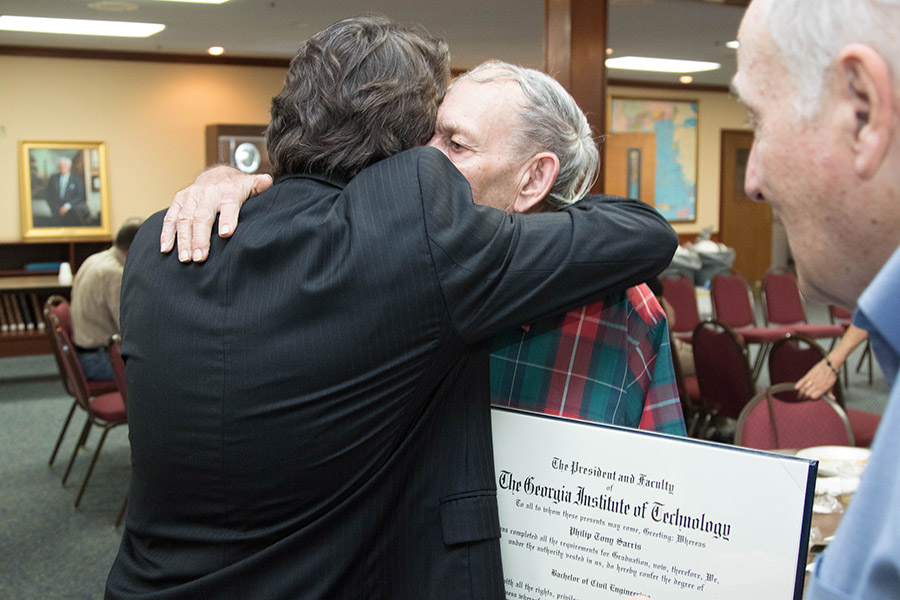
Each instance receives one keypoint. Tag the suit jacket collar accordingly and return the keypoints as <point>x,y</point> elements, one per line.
<point>332,181</point>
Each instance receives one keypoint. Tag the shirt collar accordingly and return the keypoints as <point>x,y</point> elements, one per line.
<point>877,312</point>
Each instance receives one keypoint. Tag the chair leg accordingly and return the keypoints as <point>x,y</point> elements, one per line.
<point>82,441</point>
<point>707,419</point>
<point>867,354</point>
<point>62,433</point>
<point>760,360</point>
<point>84,430</point>
<point>91,467</point>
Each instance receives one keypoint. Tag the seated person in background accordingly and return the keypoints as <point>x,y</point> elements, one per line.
<point>308,411</point>
<point>95,303</point>
<point>608,361</point>
<point>822,377</point>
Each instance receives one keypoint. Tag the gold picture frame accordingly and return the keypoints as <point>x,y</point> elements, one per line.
<point>79,208</point>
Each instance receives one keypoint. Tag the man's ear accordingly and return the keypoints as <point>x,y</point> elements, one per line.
<point>867,84</point>
<point>536,179</point>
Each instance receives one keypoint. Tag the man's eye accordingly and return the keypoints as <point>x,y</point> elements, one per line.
<point>456,147</point>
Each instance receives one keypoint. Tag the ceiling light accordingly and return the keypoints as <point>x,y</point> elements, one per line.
<point>197,1</point>
<point>609,51</point>
<point>733,44</point>
<point>685,79</point>
<point>662,65</point>
<point>79,26</point>
<point>216,50</point>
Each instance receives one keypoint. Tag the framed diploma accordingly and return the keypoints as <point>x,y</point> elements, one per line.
<point>592,511</point>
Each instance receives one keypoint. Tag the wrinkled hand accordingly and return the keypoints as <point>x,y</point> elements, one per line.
<point>819,380</point>
<point>220,190</point>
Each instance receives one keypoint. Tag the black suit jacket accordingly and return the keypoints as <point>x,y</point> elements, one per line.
<point>309,411</point>
<point>74,194</point>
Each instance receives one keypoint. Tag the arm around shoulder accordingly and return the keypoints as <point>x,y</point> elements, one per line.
<point>498,270</point>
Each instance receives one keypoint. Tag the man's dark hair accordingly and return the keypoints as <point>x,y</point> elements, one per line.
<point>360,91</point>
<point>126,233</point>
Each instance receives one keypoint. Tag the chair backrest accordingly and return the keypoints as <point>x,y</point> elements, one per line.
<point>678,290</point>
<point>768,423</point>
<point>72,372</point>
<point>730,297</point>
<point>782,302</point>
<point>790,358</point>
<point>118,365</point>
<point>58,307</point>
<point>723,370</point>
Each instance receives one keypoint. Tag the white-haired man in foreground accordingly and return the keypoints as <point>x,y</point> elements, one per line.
<point>821,81</point>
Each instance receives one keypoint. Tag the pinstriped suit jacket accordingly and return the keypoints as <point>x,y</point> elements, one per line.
<point>309,410</point>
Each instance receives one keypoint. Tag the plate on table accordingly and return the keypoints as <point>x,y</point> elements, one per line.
<point>838,460</point>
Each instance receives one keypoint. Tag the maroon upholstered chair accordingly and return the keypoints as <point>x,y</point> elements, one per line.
<point>118,365</point>
<point>783,305</point>
<point>791,358</point>
<point>769,422</point>
<point>118,368</point>
<point>678,290</point>
<point>732,304</point>
<point>723,370</point>
<point>104,410</point>
<point>58,306</point>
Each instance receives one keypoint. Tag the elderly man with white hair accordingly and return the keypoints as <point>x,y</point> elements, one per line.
<point>821,81</point>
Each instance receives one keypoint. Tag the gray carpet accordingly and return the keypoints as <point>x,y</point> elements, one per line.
<point>48,549</point>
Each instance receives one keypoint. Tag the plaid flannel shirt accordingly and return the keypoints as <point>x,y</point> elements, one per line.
<point>608,362</point>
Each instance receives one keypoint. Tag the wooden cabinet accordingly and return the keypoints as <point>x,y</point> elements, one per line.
<point>28,276</point>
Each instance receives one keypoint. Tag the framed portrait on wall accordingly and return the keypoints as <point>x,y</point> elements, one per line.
<point>63,189</point>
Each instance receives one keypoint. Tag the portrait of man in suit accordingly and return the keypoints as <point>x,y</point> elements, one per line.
<point>65,185</point>
<point>66,195</point>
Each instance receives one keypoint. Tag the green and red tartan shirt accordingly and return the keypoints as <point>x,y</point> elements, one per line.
<point>608,362</point>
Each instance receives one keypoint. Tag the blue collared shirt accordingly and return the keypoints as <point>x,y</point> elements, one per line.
<point>863,561</point>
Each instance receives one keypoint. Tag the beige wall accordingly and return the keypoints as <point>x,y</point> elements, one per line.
<point>716,111</point>
<point>152,116</point>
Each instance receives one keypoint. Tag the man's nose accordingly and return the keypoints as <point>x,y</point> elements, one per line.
<point>752,180</point>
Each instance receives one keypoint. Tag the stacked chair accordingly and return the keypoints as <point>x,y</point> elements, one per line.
<point>783,305</point>
<point>733,305</point>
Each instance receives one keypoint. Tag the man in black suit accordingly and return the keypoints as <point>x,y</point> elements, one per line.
<point>309,411</point>
<point>66,196</point>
